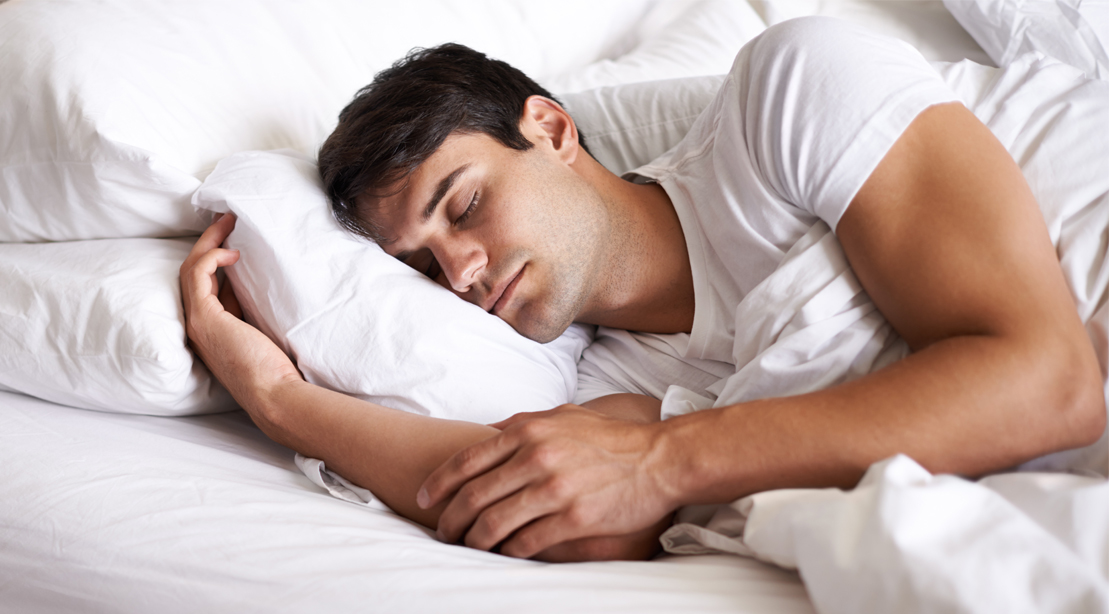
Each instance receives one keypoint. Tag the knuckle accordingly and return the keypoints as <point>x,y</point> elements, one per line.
<point>545,457</point>
<point>559,488</point>
<point>532,429</point>
<point>469,497</point>
<point>525,544</point>
<point>488,525</point>
<point>466,461</point>
<point>579,516</point>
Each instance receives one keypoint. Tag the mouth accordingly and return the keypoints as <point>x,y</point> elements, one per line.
<point>504,294</point>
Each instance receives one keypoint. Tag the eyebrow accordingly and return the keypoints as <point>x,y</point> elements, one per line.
<point>433,203</point>
<point>441,191</point>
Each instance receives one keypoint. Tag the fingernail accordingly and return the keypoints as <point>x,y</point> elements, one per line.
<point>439,535</point>
<point>422,498</point>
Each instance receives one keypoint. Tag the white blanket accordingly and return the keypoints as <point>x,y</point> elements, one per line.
<point>907,541</point>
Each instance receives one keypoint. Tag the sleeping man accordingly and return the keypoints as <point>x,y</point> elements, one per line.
<point>468,171</point>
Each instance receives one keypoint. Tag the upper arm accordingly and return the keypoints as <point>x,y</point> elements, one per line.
<point>948,240</point>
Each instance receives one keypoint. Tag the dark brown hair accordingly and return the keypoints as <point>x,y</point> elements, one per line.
<point>400,119</point>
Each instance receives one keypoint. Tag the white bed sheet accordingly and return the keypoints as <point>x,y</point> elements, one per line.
<point>116,513</point>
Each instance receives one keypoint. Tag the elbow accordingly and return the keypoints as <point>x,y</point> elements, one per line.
<point>1079,396</point>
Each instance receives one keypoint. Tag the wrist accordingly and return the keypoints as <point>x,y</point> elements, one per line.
<point>270,402</point>
<point>689,468</point>
<point>668,463</point>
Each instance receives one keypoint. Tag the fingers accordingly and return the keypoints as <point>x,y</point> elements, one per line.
<point>526,416</point>
<point>546,533</point>
<point>462,467</point>
<point>491,506</point>
<point>521,417</point>
<point>199,281</point>
<point>636,546</point>
<point>229,301</point>
<point>211,238</point>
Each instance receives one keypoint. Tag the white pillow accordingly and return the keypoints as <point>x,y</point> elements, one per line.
<point>113,112</point>
<point>1071,31</point>
<point>703,39</point>
<point>357,320</point>
<point>98,325</point>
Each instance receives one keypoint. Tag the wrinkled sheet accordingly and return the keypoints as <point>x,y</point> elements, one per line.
<point>137,514</point>
<point>907,541</point>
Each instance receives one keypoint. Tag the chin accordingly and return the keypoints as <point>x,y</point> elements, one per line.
<point>540,330</point>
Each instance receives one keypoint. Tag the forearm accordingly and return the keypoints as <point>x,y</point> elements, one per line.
<point>966,405</point>
<point>387,451</point>
<point>628,406</point>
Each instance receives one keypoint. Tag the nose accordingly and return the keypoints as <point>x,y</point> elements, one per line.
<point>462,260</point>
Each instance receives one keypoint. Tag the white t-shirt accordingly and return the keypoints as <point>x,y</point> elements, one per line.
<point>807,112</point>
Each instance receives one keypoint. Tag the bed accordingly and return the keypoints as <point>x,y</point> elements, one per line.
<point>132,483</point>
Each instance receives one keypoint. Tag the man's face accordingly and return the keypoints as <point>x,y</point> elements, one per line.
<point>519,234</point>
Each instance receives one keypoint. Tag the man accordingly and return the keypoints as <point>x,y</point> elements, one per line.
<point>466,170</point>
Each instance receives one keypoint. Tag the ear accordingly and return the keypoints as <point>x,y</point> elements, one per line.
<point>546,123</point>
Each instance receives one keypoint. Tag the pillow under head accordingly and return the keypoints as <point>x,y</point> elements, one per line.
<point>356,320</point>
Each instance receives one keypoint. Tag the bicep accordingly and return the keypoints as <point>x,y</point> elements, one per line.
<point>948,240</point>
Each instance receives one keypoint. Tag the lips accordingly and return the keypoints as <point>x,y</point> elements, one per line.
<point>504,293</point>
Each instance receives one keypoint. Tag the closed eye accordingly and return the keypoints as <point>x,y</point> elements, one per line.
<point>469,211</point>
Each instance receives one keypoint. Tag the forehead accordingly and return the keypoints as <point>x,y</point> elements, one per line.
<point>408,200</point>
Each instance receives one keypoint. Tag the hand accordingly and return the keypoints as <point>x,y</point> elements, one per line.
<point>551,477</point>
<point>239,355</point>
<point>638,546</point>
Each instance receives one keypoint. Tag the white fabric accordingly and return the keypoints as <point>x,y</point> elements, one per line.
<point>99,325</point>
<point>627,126</point>
<point>809,325</point>
<point>113,112</point>
<point>624,126</point>
<point>1073,31</point>
<point>701,39</point>
<point>106,513</point>
<point>907,541</point>
<point>924,24</point>
<point>121,348</point>
<point>904,540</point>
<point>356,320</point>
<point>810,108</point>
<point>115,514</point>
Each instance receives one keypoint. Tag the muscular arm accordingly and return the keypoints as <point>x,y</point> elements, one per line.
<point>384,450</point>
<point>387,451</point>
<point>950,244</point>
<point>391,452</point>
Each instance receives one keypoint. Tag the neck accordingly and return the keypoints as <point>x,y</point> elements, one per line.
<point>646,284</point>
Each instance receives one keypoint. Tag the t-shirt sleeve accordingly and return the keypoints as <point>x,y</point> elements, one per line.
<point>823,101</point>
